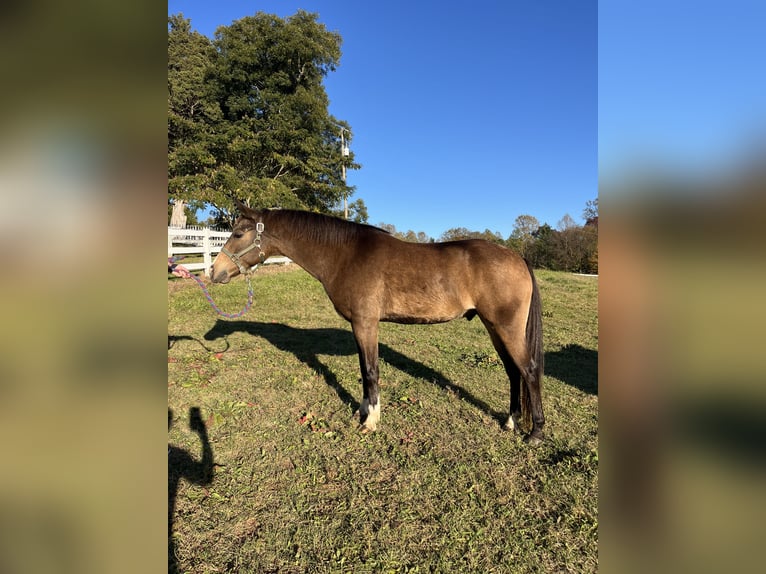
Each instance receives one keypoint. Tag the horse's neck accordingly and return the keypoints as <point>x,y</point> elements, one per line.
<point>320,261</point>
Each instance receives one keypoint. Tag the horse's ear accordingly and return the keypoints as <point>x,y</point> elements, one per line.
<point>243,209</point>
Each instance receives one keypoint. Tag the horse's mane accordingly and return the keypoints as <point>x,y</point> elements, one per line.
<point>321,228</point>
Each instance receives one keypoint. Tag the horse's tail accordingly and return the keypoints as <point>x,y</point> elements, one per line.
<point>535,348</point>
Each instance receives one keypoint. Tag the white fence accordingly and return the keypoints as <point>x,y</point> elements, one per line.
<point>205,241</point>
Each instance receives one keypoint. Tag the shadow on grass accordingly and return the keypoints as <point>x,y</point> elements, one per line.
<point>173,339</point>
<point>181,464</point>
<point>307,344</point>
<point>575,366</point>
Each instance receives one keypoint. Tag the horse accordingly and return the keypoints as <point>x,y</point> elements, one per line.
<point>371,276</point>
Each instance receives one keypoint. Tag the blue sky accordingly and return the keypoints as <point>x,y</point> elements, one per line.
<point>464,114</point>
<point>681,84</point>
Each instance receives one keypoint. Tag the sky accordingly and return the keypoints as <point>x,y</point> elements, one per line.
<point>681,85</point>
<point>463,114</point>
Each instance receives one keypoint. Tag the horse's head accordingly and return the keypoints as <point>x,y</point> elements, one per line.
<point>245,247</point>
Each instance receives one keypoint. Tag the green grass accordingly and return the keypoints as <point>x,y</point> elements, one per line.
<point>439,488</point>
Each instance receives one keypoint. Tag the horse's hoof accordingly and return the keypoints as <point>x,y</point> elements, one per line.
<point>509,426</point>
<point>364,429</point>
<point>534,440</point>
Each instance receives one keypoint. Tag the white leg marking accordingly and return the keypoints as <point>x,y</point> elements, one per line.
<point>512,423</point>
<point>370,415</point>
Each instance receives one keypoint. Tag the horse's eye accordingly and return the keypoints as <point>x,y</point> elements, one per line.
<point>237,234</point>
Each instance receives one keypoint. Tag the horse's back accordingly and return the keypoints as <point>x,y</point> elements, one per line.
<point>464,261</point>
<point>483,260</point>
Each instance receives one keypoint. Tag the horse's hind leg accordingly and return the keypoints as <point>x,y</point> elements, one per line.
<point>535,402</point>
<point>366,335</point>
<point>514,417</point>
<point>509,338</point>
<point>514,376</point>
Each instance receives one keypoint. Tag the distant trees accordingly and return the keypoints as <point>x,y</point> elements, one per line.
<point>569,247</point>
<point>457,233</point>
<point>590,213</point>
<point>409,235</point>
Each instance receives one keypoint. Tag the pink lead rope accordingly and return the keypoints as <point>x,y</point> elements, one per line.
<point>210,298</point>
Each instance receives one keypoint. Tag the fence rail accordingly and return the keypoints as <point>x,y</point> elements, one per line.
<point>204,241</point>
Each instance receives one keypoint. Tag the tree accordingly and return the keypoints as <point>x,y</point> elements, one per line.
<point>423,237</point>
<point>590,261</point>
<point>357,211</point>
<point>566,222</point>
<point>387,227</point>
<point>181,215</point>
<point>192,110</point>
<point>458,233</point>
<point>411,236</point>
<point>522,235</point>
<point>590,213</point>
<point>524,226</point>
<point>539,251</point>
<point>569,248</point>
<point>177,213</point>
<point>264,134</point>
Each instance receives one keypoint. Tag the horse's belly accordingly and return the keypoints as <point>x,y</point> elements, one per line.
<point>418,319</point>
<point>415,300</point>
<point>425,313</point>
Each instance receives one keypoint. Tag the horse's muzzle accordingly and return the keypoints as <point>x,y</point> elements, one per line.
<point>220,277</point>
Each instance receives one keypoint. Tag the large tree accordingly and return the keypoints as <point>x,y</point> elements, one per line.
<point>261,131</point>
<point>192,111</point>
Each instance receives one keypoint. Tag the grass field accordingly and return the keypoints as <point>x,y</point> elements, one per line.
<point>276,478</point>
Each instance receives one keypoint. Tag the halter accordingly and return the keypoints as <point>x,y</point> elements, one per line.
<point>256,244</point>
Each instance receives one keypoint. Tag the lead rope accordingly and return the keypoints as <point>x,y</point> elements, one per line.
<point>210,297</point>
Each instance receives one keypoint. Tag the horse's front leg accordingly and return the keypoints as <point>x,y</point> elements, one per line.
<point>366,335</point>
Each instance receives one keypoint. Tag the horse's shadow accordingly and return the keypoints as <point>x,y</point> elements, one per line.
<point>307,344</point>
<point>173,339</point>
<point>576,366</point>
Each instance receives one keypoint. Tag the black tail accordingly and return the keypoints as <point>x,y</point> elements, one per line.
<point>535,348</point>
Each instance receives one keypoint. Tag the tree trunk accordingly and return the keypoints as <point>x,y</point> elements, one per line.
<point>178,217</point>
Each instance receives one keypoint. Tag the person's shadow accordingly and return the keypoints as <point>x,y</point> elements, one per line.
<point>307,344</point>
<point>181,464</point>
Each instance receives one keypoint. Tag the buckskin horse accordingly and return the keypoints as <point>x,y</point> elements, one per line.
<point>371,276</point>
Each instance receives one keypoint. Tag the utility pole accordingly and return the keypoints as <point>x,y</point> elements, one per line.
<point>344,153</point>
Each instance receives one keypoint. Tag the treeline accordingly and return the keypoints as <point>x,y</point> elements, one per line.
<point>572,249</point>
<point>569,247</point>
